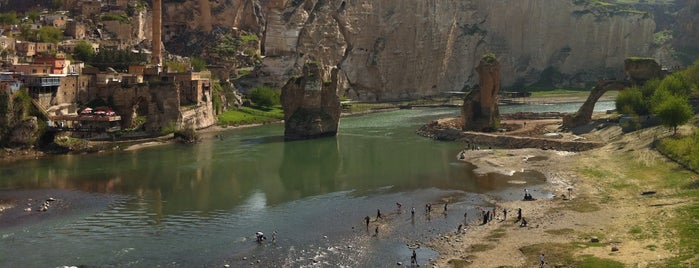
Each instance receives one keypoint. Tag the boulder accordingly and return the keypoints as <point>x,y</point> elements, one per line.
<point>311,105</point>
<point>480,109</point>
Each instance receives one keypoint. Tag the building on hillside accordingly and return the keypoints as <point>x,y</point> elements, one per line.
<point>59,64</point>
<point>57,20</point>
<point>25,49</point>
<point>43,88</point>
<point>32,68</point>
<point>89,8</point>
<point>76,29</point>
<point>193,86</point>
<point>10,82</point>
<point>7,44</point>
<point>30,49</point>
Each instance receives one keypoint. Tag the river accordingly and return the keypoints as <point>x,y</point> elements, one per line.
<point>200,205</point>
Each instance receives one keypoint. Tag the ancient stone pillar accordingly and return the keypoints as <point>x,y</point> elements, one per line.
<point>156,58</point>
<point>311,105</point>
<point>480,109</point>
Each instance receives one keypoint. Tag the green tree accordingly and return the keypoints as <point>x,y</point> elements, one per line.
<point>674,111</point>
<point>84,51</point>
<point>33,15</point>
<point>9,18</point>
<point>117,59</point>
<point>49,34</point>
<point>265,96</point>
<point>632,101</point>
<point>198,64</point>
<point>676,84</point>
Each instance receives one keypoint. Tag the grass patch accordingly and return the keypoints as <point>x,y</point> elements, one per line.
<point>651,247</point>
<point>687,226</point>
<point>582,204</point>
<point>560,254</point>
<point>480,247</point>
<point>594,262</point>
<point>589,244</point>
<point>248,115</point>
<point>459,263</point>
<point>594,172</point>
<point>496,234</point>
<point>564,231</point>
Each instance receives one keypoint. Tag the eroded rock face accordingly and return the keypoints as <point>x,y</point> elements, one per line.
<point>311,105</point>
<point>480,109</point>
<point>395,49</point>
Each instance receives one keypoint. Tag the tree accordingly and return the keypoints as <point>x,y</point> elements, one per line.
<point>117,59</point>
<point>33,15</point>
<point>265,96</point>
<point>9,18</point>
<point>49,34</point>
<point>674,111</point>
<point>84,51</point>
<point>198,64</point>
<point>632,101</point>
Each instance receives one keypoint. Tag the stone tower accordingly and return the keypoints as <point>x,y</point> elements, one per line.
<point>311,105</point>
<point>480,110</point>
<point>156,58</point>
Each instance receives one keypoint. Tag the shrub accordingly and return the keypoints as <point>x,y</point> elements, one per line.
<point>674,111</point>
<point>631,101</point>
<point>265,96</point>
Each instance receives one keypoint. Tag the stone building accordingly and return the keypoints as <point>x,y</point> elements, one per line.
<point>7,44</point>
<point>59,64</point>
<point>193,85</point>
<point>32,68</point>
<point>75,29</point>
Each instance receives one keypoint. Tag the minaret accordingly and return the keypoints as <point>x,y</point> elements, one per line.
<point>157,28</point>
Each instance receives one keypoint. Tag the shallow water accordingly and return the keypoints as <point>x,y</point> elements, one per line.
<point>200,205</point>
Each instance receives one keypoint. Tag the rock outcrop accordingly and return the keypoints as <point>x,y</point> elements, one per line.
<point>26,133</point>
<point>640,70</point>
<point>311,105</point>
<point>480,109</point>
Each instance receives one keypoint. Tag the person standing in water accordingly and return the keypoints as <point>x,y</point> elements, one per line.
<point>413,259</point>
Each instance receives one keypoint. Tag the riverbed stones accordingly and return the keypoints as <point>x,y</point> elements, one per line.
<point>311,105</point>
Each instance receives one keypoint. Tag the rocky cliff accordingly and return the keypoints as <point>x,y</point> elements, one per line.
<point>394,49</point>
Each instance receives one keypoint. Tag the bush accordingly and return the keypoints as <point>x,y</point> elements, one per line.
<point>84,51</point>
<point>187,135</point>
<point>674,111</point>
<point>631,101</point>
<point>265,96</point>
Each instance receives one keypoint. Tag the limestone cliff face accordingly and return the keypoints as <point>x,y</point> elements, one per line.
<point>405,49</point>
<point>393,49</point>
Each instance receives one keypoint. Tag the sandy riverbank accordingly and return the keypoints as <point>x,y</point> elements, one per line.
<point>606,203</point>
